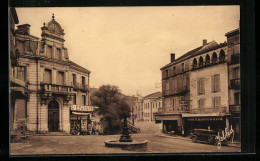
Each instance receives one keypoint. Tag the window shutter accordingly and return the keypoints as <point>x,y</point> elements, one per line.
<point>213,104</point>
<point>218,102</point>
<point>198,86</point>
<point>202,86</point>
<point>217,82</point>
<point>212,83</point>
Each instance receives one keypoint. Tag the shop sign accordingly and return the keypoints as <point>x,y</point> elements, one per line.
<point>82,108</point>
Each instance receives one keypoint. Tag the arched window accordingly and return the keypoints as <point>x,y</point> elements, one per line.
<point>201,61</point>
<point>194,64</point>
<point>221,55</point>
<point>207,59</point>
<point>214,57</point>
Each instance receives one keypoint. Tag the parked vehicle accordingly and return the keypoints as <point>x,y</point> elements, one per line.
<point>209,136</point>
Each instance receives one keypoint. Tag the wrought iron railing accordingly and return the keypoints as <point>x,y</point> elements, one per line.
<point>234,108</point>
<point>56,88</point>
<point>209,110</point>
<point>178,90</point>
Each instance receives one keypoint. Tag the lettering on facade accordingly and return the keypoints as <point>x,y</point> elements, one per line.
<point>83,108</point>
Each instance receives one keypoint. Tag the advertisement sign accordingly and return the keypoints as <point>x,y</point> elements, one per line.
<point>83,108</point>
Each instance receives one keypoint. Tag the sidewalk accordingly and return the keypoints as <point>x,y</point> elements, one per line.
<point>234,144</point>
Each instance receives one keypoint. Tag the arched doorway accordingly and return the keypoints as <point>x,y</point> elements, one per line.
<point>53,116</point>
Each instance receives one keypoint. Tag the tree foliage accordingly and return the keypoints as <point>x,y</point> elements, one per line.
<point>112,107</point>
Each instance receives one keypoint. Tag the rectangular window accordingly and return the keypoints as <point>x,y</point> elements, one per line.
<point>216,101</point>
<point>237,98</point>
<point>201,105</point>
<point>19,73</point>
<point>74,79</point>
<point>182,67</point>
<point>47,76</point>
<point>58,54</point>
<point>83,81</point>
<point>201,87</point>
<point>174,70</point>
<point>49,52</point>
<point>84,100</point>
<point>215,83</point>
<point>74,99</point>
<point>236,73</point>
<point>60,78</point>
<point>167,73</point>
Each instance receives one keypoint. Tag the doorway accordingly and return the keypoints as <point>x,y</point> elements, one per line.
<point>53,116</point>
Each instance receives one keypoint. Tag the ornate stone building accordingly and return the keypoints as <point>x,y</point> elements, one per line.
<point>53,83</point>
<point>198,88</point>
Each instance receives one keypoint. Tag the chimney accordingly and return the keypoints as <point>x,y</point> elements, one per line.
<point>172,57</point>
<point>25,29</point>
<point>204,42</point>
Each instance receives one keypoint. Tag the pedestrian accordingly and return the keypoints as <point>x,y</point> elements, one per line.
<point>93,130</point>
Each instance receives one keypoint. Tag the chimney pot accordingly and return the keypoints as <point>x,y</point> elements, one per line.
<point>172,57</point>
<point>204,42</point>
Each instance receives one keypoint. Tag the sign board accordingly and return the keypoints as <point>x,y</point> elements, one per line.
<point>83,108</point>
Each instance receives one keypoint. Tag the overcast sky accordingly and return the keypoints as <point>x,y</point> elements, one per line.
<point>127,46</point>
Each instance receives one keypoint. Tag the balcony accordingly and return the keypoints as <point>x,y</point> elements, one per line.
<point>54,88</point>
<point>234,108</point>
<point>209,110</point>
<point>179,90</point>
<point>234,59</point>
<point>235,83</point>
<point>208,63</point>
<point>78,86</point>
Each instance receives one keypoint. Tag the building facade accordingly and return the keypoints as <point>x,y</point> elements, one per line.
<point>145,108</point>
<point>57,89</point>
<point>196,89</point>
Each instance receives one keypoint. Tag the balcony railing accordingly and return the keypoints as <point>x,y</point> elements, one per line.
<point>235,83</point>
<point>54,88</point>
<point>178,90</point>
<point>208,63</point>
<point>209,110</point>
<point>79,86</point>
<point>234,108</point>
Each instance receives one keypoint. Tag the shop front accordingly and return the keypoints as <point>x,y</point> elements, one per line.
<point>81,119</point>
<point>171,123</point>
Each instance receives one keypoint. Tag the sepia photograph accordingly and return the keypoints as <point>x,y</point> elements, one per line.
<point>124,80</point>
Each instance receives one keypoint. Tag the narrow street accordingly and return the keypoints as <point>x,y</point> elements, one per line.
<point>94,144</point>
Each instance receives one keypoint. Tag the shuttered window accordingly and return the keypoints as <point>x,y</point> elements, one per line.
<point>216,102</point>
<point>58,54</point>
<point>47,76</point>
<point>215,83</point>
<point>84,100</point>
<point>167,73</point>
<point>49,52</point>
<point>201,86</point>
<point>60,78</point>
<point>201,105</point>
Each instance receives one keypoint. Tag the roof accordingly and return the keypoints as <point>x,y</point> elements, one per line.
<point>154,95</point>
<point>78,67</point>
<point>199,50</point>
<point>233,32</point>
<point>14,14</point>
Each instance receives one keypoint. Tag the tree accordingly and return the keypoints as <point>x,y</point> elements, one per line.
<point>112,107</point>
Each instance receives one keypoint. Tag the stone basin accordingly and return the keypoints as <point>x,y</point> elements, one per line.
<point>135,145</point>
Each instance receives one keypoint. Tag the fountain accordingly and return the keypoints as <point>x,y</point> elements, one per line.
<point>126,142</point>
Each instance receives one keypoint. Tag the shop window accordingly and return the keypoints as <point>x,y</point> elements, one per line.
<point>201,86</point>
<point>47,76</point>
<point>215,83</point>
<point>49,52</point>
<point>60,78</point>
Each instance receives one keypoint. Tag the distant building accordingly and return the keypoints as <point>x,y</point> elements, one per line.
<point>201,89</point>
<point>146,107</point>
<point>54,91</point>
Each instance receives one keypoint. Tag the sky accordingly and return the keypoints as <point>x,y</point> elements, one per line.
<point>127,46</point>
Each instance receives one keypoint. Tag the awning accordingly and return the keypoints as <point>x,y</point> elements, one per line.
<point>205,115</point>
<point>80,113</point>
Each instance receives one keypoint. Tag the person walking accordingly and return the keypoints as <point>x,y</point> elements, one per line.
<point>93,130</point>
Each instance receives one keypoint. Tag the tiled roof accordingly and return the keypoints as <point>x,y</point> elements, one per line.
<point>154,95</point>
